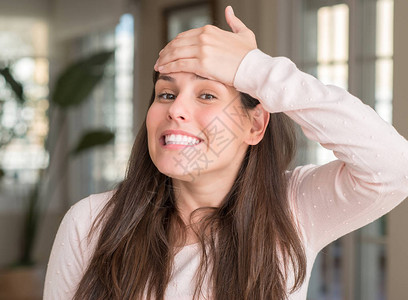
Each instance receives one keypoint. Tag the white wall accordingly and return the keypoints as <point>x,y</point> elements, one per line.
<point>77,17</point>
<point>24,8</point>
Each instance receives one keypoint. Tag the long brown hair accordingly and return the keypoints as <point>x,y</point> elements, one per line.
<point>249,244</point>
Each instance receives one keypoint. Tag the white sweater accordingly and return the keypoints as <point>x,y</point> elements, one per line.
<point>369,178</point>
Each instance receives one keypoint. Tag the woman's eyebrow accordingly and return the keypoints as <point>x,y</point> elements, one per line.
<point>200,77</point>
<point>171,79</point>
<point>166,78</point>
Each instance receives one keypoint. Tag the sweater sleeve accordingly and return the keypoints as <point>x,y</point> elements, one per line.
<point>72,249</point>
<point>370,176</point>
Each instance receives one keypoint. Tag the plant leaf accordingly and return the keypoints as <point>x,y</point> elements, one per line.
<point>78,80</point>
<point>92,139</point>
<point>15,86</point>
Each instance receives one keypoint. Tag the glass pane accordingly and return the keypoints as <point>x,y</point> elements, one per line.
<point>372,267</point>
<point>110,106</point>
<point>332,22</point>
<point>384,88</point>
<point>326,282</point>
<point>23,126</point>
<point>324,26</point>
<point>336,74</point>
<point>340,34</point>
<point>27,123</point>
<point>124,36</point>
<point>385,27</point>
<point>332,56</point>
<point>185,18</point>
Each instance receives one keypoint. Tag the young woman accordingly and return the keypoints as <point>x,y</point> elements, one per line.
<point>208,209</point>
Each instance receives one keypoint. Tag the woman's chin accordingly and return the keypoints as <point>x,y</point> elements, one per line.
<point>179,174</point>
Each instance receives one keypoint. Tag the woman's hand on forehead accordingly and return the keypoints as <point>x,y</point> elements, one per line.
<point>208,51</point>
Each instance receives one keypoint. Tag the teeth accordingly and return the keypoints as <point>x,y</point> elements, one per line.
<point>180,139</point>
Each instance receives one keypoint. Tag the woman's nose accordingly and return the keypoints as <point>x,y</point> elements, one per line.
<point>178,109</point>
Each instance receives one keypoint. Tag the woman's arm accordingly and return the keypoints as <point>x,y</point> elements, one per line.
<point>370,177</point>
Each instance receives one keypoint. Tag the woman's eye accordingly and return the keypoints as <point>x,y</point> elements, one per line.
<point>207,96</point>
<point>167,96</point>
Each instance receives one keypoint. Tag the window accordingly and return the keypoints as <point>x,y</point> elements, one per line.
<point>110,106</point>
<point>384,59</point>
<point>349,43</point>
<point>24,44</point>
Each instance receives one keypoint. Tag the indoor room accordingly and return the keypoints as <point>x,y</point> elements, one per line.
<point>75,90</point>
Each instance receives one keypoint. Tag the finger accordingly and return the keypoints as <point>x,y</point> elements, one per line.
<point>190,37</point>
<point>183,65</point>
<point>182,39</point>
<point>176,54</point>
<point>180,42</point>
<point>196,32</point>
<point>171,47</point>
<point>190,33</point>
<point>191,41</point>
<point>234,23</point>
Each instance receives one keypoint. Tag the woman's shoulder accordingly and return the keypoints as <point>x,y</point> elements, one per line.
<point>73,247</point>
<point>79,219</point>
<point>89,207</point>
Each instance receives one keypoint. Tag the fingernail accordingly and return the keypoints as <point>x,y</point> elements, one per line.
<point>231,10</point>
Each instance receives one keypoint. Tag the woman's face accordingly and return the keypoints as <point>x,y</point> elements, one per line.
<point>196,127</point>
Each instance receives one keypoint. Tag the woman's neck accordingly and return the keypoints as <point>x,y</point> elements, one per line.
<point>200,193</point>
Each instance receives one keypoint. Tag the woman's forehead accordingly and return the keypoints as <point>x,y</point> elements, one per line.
<point>174,77</point>
<point>180,78</point>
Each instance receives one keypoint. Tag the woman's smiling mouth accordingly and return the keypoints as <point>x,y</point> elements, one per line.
<point>178,138</point>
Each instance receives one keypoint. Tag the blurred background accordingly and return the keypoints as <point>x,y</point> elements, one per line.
<point>75,80</point>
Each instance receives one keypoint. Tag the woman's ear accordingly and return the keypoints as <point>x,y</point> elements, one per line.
<point>259,118</point>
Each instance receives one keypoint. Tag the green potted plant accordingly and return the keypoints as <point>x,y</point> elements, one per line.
<point>72,88</point>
